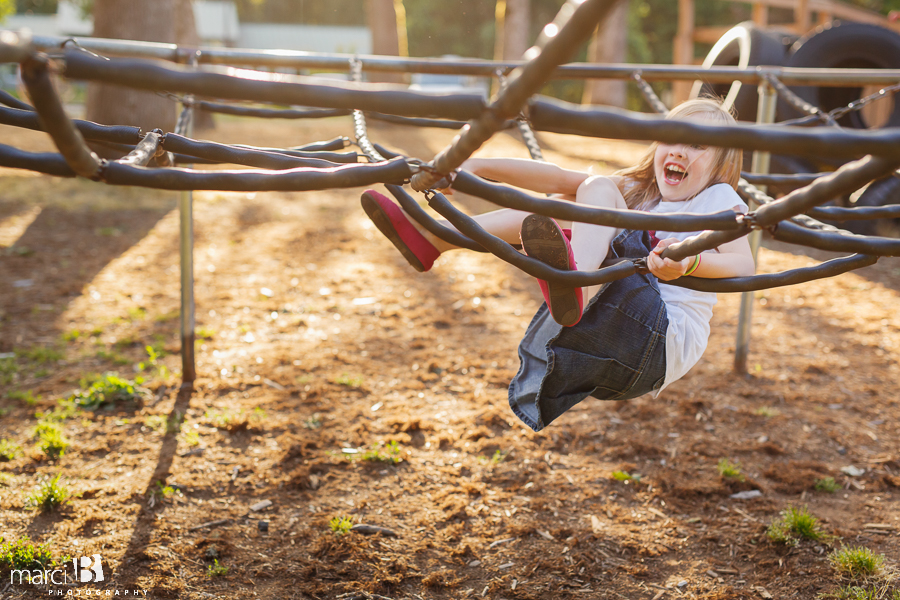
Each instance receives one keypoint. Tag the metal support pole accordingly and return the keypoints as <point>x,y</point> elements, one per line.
<point>765,114</point>
<point>186,220</point>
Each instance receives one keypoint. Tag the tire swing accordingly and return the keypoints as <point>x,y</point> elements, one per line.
<point>744,45</point>
<point>846,46</point>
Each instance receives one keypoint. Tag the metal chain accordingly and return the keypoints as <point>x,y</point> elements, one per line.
<point>649,94</point>
<point>798,102</point>
<point>528,136</point>
<point>359,119</point>
<point>859,104</point>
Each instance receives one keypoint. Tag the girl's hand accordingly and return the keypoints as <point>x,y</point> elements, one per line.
<point>666,269</point>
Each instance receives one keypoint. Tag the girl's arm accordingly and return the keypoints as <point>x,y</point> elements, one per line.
<point>733,259</point>
<point>525,173</point>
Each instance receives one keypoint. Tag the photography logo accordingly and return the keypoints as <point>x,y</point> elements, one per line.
<point>88,569</point>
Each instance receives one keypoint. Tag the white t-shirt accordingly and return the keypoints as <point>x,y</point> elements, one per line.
<point>689,311</point>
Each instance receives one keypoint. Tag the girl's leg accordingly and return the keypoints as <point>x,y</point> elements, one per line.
<point>590,243</point>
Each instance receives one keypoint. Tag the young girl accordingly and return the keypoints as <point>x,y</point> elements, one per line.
<point>622,339</point>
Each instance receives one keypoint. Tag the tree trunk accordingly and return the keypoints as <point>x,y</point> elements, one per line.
<point>608,46</point>
<point>516,30</point>
<point>158,21</point>
<point>382,20</point>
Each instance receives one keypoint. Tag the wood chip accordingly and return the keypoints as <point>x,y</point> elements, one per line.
<point>660,594</point>
<point>727,570</point>
<point>596,525</point>
<point>274,384</point>
<point>210,524</point>
<point>545,535</point>
<point>657,512</point>
<point>373,529</point>
<point>763,592</point>
<point>712,573</point>
<point>879,526</point>
<point>261,505</point>
<point>498,542</point>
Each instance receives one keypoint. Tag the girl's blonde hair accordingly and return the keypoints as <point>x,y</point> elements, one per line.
<point>639,182</point>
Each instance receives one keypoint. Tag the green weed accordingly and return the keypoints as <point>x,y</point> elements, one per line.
<point>216,569</point>
<point>154,353</point>
<point>827,484</point>
<point>112,356</point>
<point>41,354</point>
<point>879,591</point>
<point>8,370</point>
<point>51,440</point>
<point>6,479</point>
<point>65,409</point>
<point>24,555</point>
<point>136,313</point>
<point>107,392</point>
<point>25,396</point>
<point>9,450</point>
<point>191,438</point>
<point>340,525</point>
<point>730,470</point>
<point>625,476</point>
<point>71,335</point>
<point>167,425</point>
<point>49,496</point>
<point>856,562</point>
<point>205,333</point>
<point>391,453</point>
<point>793,525</point>
<point>162,493</point>
<point>348,381</point>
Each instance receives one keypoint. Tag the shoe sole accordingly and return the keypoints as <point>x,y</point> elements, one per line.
<point>542,239</point>
<point>386,226</point>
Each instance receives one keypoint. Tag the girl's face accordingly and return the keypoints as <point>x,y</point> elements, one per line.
<point>682,170</point>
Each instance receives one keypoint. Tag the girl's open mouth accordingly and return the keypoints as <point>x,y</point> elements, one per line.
<point>674,174</point>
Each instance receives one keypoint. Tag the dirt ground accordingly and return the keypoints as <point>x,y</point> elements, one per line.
<point>335,381</point>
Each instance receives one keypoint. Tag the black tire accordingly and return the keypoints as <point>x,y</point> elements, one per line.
<point>748,45</point>
<point>843,46</point>
<point>880,192</point>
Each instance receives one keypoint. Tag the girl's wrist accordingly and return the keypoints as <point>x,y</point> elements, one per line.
<point>691,269</point>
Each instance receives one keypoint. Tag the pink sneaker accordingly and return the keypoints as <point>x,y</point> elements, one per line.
<point>543,239</point>
<point>392,222</point>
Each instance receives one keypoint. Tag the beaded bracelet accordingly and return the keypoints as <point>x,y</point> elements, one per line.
<point>693,266</point>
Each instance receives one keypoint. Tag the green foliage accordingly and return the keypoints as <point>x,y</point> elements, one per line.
<point>625,476</point>
<point>8,370</point>
<point>167,425</point>
<point>39,7</point>
<point>24,555</point>
<point>793,525</point>
<point>51,440</point>
<point>7,8</point>
<point>767,411</point>
<point>41,354</point>
<point>162,492</point>
<point>107,392</point>
<point>876,591</point>
<point>216,569</point>
<point>827,484</point>
<point>340,525</point>
<point>154,353</point>
<point>349,381</point>
<point>49,496</point>
<point>25,396</point>
<point>730,470</point>
<point>9,450</point>
<point>391,453</point>
<point>856,562</point>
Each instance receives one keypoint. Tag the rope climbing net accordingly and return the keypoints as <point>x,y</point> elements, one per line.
<point>792,218</point>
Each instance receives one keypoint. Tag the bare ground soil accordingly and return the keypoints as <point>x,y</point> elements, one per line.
<point>323,357</point>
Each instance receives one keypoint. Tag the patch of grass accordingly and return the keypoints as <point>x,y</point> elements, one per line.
<point>767,411</point>
<point>51,440</point>
<point>349,381</point>
<point>625,476</point>
<point>49,496</point>
<point>71,335</point>
<point>41,354</point>
<point>391,453</point>
<point>216,569</point>
<point>6,479</point>
<point>154,353</point>
<point>24,555</point>
<point>856,562</point>
<point>162,493</point>
<point>25,396</point>
<point>166,317</point>
<point>793,525</point>
<point>112,356</point>
<point>205,333</point>
<point>730,470</point>
<point>64,409</point>
<point>8,370</point>
<point>827,484</point>
<point>191,438</point>
<point>9,450</point>
<point>136,313</point>
<point>167,425</point>
<point>225,419</point>
<point>340,525</point>
<point>880,591</point>
<point>109,391</point>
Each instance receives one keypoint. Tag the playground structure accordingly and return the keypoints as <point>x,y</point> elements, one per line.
<point>318,166</point>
